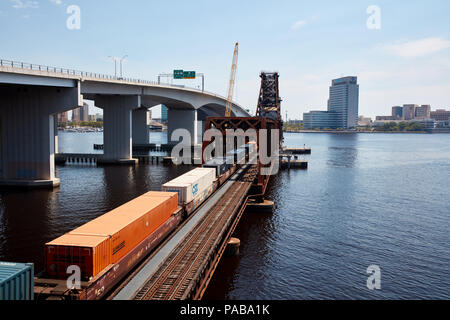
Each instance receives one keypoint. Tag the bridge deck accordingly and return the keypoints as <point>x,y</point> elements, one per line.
<point>177,270</point>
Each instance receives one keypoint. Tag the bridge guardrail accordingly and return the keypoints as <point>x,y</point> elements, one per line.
<point>44,68</point>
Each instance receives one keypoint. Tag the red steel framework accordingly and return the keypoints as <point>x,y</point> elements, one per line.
<point>268,116</point>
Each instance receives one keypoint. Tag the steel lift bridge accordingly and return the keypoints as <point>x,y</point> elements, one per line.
<point>183,265</point>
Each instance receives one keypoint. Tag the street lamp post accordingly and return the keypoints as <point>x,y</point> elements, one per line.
<point>115,65</point>
<point>121,60</point>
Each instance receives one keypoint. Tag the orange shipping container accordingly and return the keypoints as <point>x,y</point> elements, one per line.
<point>123,228</point>
<point>91,253</point>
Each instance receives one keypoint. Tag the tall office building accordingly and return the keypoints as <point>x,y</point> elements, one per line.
<point>397,113</point>
<point>344,101</point>
<point>164,112</point>
<point>423,112</point>
<point>63,117</point>
<point>81,114</point>
<point>409,111</point>
<point>342,107</point>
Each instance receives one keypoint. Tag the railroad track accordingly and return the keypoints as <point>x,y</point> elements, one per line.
<point>177,276</point>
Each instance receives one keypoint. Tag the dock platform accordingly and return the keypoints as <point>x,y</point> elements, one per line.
<point>297,150</point>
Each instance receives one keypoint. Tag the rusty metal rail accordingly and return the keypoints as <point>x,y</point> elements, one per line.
<point>180,274</point>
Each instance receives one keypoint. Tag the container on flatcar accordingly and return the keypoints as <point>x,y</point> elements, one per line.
<point>219,164</point>
<point>16,281</point>
<point>105,240</point>
<point>192,184</point>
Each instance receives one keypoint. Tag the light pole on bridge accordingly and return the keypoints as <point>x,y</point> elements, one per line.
<point>121,60</point>
<point>115,65</point>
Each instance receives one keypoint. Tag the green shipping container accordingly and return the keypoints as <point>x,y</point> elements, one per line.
<point>16,281</point>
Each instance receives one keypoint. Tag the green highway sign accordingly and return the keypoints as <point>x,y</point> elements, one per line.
<point>178,74</point>
<point>189,74</point>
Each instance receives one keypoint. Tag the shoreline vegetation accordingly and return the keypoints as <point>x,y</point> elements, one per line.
<point>82,124</point>
<point>400,127</point>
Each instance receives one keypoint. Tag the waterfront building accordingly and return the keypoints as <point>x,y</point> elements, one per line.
<point>320,120</point>
<point>63,117</point>
<point>98,117</point>
<point>81,114</point>
<point>409,111</point>
<point>440,115</point>
<point>397,112</point>
<point>344,101</point>
<point>164,112</point>
<point>427,123</point>
<point>342,109</point>
<point>423,112</point>
<point>364,122</point>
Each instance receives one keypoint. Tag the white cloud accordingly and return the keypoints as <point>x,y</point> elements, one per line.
<point>417,48</point>
<point>23,4</point>
<point>57,2</point>
<point>298,24</point>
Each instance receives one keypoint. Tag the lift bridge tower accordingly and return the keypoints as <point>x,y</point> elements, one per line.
<point>268,117</point>
<point>269,102</point>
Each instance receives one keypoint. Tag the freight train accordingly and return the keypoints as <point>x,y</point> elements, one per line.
<point>106,249</point>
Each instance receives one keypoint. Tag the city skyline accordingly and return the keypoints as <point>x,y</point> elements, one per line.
<point>400,61</point>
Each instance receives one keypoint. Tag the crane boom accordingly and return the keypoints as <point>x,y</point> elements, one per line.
<point>232,80</point>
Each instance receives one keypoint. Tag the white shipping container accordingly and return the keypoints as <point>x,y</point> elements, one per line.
<point>192,184</point>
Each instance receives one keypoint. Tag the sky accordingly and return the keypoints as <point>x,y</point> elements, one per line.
<point>400,52</point>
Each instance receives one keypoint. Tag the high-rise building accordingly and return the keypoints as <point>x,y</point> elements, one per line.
<point>423,112</point>
<point>397,112</point>
<point>81,114</point>
<point>344,100</point>
<point>76,115</point>
<point>342,107</point>
<point>63,117</point>
<point>409,111</point>
<point>164,112</point>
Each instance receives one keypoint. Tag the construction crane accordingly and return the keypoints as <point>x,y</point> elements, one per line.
<point>232,80</point>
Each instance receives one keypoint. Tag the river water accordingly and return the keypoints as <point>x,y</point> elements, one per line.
<point>366,199</point>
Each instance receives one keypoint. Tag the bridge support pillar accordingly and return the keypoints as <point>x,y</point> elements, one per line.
<point>117,132</point>
<point>27,134</point>
<point>182,119</point>
<point>140,129</point>
<point>55,126</point>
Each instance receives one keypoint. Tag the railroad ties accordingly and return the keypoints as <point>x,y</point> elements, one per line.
<point>183,274</point>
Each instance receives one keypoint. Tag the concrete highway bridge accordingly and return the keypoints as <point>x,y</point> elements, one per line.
<point>32,95</point>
